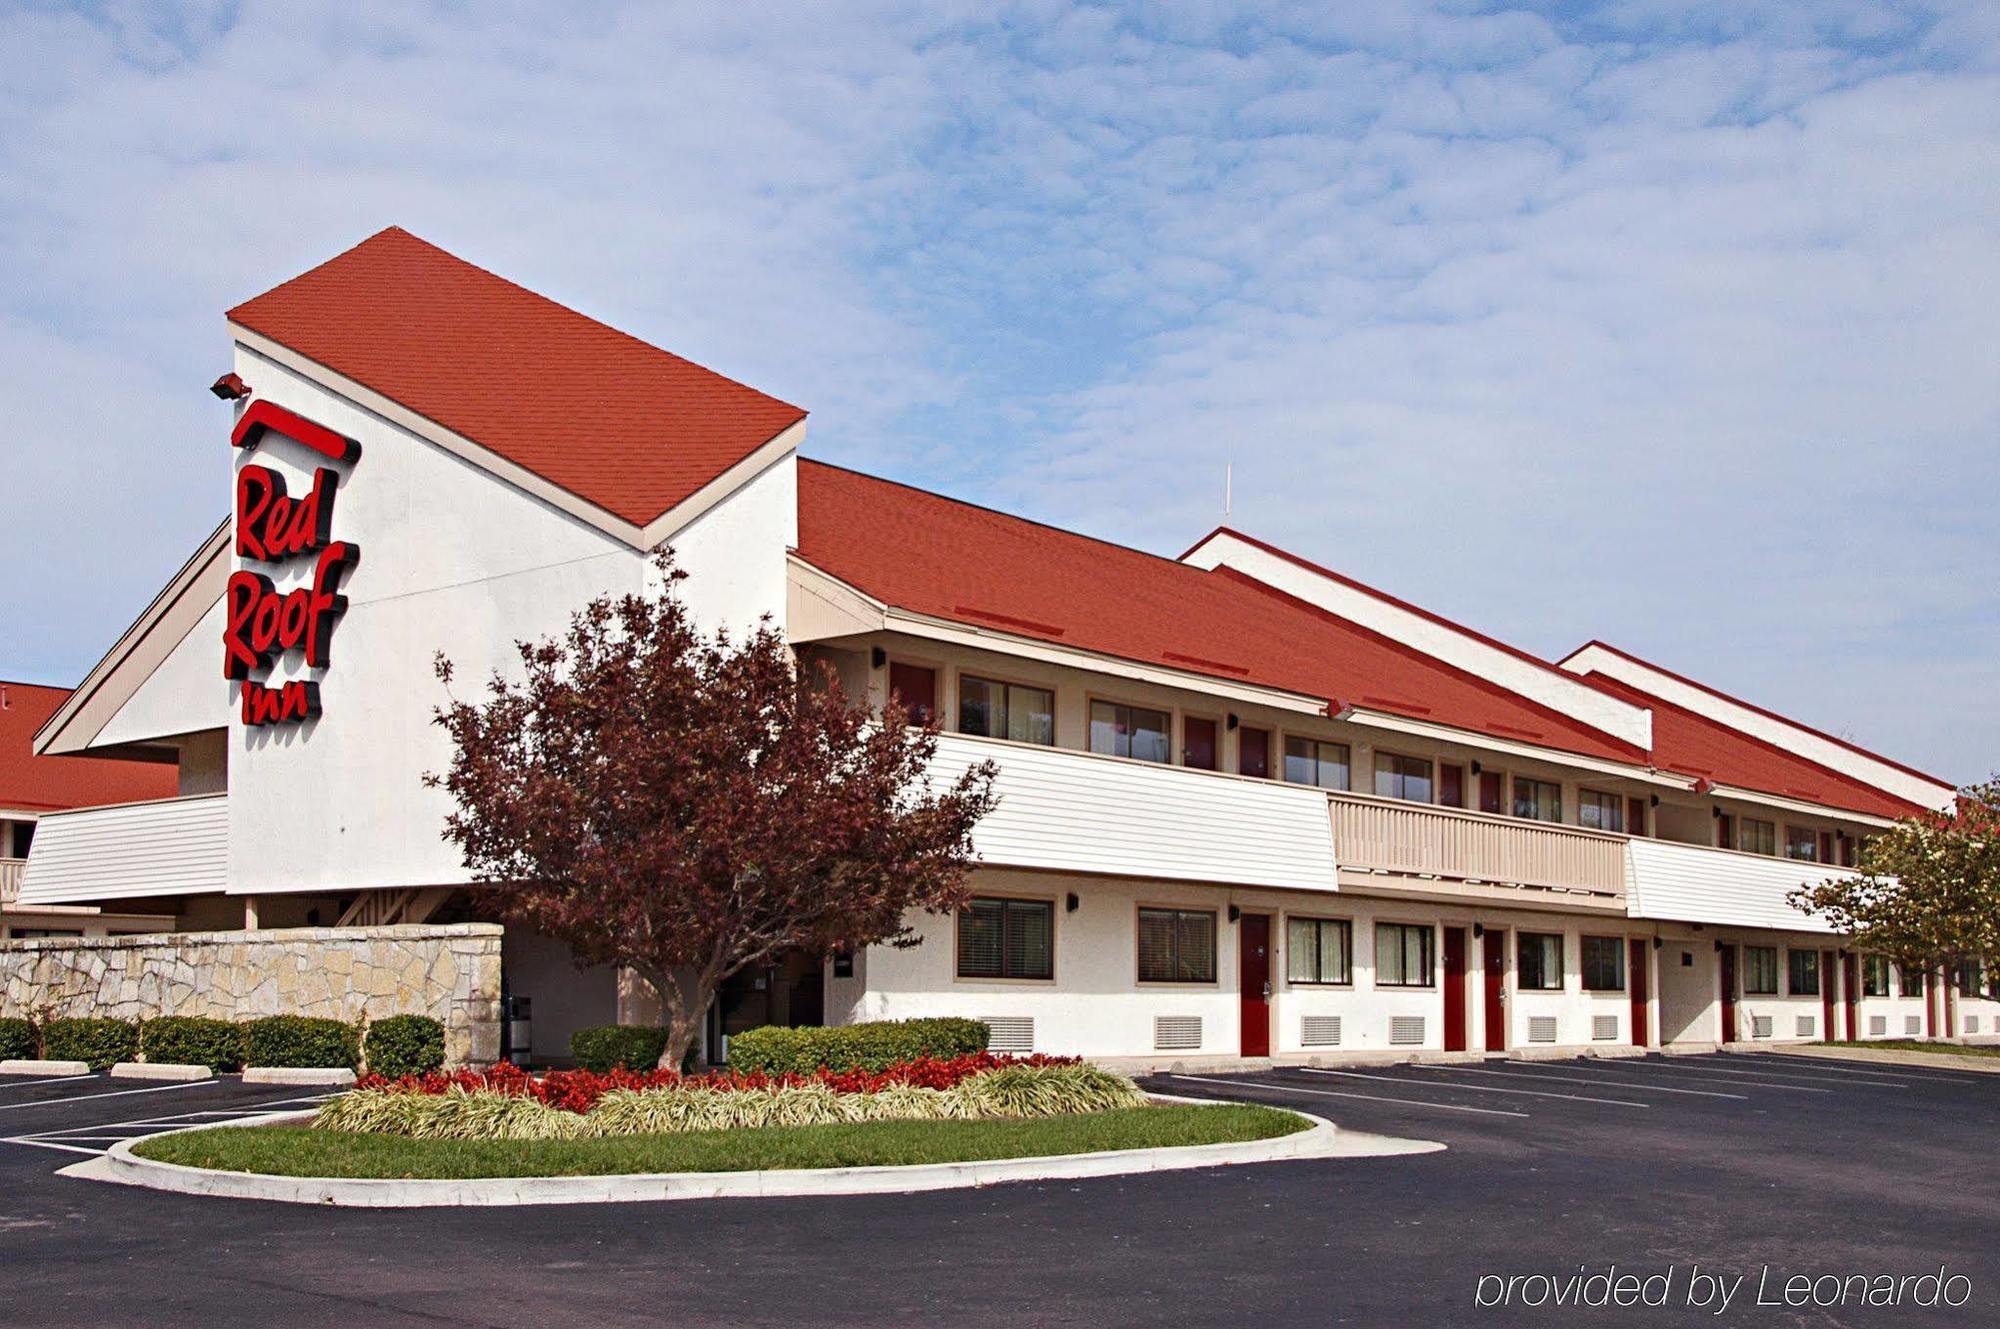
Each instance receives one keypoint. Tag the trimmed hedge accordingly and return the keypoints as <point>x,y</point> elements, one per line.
<point>101,1043</point>
<point>610,1047</point>
<point>301,1041</point>
<point>404,1045</point>
<point>17,1040</point>
<point>867,1047</point>
<point>191,1041</point>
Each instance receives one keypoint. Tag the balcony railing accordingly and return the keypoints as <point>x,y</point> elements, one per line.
<point>1417,840</point>
<point>10,880</point>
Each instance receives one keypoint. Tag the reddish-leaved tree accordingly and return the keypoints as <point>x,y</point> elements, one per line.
<point>687,806</point>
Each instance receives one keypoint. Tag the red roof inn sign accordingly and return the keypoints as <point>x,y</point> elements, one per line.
<point>275,527</point>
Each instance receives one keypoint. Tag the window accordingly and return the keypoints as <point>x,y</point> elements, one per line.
<point>1913,982</point>
<point>1803,973</point>
<point>1007,939</point>
<point>1874,976</point>
<point>1604,964</point>
<point>1310,762</point>
<point>1802,843</point>
<point>1600,811</point>
<point>1006,710</point>
<point>1537,800</point>
<point>1407,778</point>
<point>843,964</point>
<point>1176,946</point>
<point>1319,950</point>
<point>1117,730</point>
<point>1760,971</point>
<point>1403,955</point>
<point>1541,961</point>
<point>1757,837</point>
<point>1968,978</point>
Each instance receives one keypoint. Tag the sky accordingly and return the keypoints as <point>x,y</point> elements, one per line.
<point>1670,324</point>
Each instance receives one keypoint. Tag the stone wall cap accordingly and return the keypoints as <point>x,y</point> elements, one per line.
<point>245,936</point>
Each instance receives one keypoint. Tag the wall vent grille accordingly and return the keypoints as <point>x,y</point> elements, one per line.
<point>1319,1031</point>
<point>1604,1028</point>
<point>1406,1030</point>
<point>1913,1024</point>
<point>1878,1026</point>
<point>1541,1029</point>
<point>1805,1026</point>
<point>1760,1026</point>
<point>1010,1033</point>
<point>1176,1033</point>
<point>1971,1024</point>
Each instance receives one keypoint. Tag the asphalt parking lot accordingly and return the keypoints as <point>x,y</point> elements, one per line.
<point>1672,1170</point>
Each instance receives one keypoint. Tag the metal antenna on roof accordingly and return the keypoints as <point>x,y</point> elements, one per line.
<point>1228,488</point>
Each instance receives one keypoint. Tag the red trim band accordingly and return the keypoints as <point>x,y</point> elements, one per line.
<point>263,415</point>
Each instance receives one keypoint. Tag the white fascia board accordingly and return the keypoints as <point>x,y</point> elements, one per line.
<point>1798,805</point>
<point>1597,658</point>
<point>1485,742</point>
<point>1539,683</point>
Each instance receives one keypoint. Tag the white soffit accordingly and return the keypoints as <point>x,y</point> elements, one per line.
<point>1598,658</point>
<point>1537,682</point>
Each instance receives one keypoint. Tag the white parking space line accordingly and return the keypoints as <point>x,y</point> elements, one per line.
<point>115,1093</point>
<point>1334,1093</point>
<point>1804,1075</point>
<point>1585,1079</point>
<point>1476,1088</point>
<point>39,1081</point>
<point>33,1143</point>
<point>1921,1074</point>
<point>82,1139</point>
<point>1654,1068</point>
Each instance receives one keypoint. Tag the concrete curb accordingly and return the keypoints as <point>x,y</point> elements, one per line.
<point>1321,1140</point>
<point>160,1070</point>
<point>297,1075</point>
<point>31,1066</point>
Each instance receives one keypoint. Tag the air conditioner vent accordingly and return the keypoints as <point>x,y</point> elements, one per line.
<point>1010,1033</point>
<point>1541,1029</point>
<point>1971,1024</point>
<point>1406,1030</point>
<point>1176,1033</point>
<point>1805,1026</point>
<point>1319,1031</point>
<point>1604,1028</point>
<point>1760,1026</point>
<point>1913,1024</point>
<point>1878,1026</point>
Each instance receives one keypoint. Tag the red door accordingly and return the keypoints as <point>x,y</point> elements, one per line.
<point>1826,966</point>
<point>1725,832</point>
<point>1635,980</point>
<point>1729,994</point>
<point>917,686</point>
<point>1454,990</point>
<point>1451,785</point>
<point>1489,793</point>
<point>1253,968</point>
<point>1931,1005</point>
<point>1850,992</point>
<point>1198,743</point>
<point>1496,990</point>
<point>1253,753</point>
<point>1635,816</point>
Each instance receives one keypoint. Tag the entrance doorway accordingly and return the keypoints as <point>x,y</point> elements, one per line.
<point>1635,980</point>
<point>1850,992</point>
<point>1494,952</point>
<point>1728,954</point>
<point>1253,968</point>
<point>1687,993</point>
<point>1454,990</point>
<point>1827,961</point>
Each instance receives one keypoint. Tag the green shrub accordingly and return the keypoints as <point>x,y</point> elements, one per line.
<point>101,1043</point>
<point>190,1041</point>
<point>607,1047</point>
<point>404,1045</point>
<point>866,1047</point>
<point>17,1040</point>
<point>302,1041</point>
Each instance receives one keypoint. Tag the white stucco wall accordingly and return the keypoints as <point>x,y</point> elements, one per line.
<point>187,693</point>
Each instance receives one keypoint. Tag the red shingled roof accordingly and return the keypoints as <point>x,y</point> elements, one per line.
<point>607,417</point>
<point>49,784</point>
<point>928,554</point>
<point>1692,744</point>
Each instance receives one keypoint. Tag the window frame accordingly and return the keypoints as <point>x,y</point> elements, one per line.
<point>1873,967</point>
<point>1743,979</point>
<point>1521,967</point>
<point>1430,949</point>
<point>1139,912</point>
<point>1794,974</point>
<point>1000,681</point>
<point>1618,948</point>
<point>1515,782</point>
<point>1587,797</point>
<point>1093,700</point>
<point>1743,825</point>
<point>1319,922</point>
<point>957,924</point>
<point>1430,765</point>
<point>1809,841</point>
<point>1285,740</point>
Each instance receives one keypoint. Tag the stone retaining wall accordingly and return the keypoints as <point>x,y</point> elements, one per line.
<point>449,972</point>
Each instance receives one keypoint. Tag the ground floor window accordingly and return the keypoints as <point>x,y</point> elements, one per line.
<point>1760,971</point>
<point>1911,980</point>
<point>1319,950</point>
<point>1874,976</point>
<point>1803,973</point>
<point>1604,964</point>
<point>1007,939</point>
<point>1176,946</point>
<point>1403,955</point>
<point>1968,978</point>
<point>1541,961</point>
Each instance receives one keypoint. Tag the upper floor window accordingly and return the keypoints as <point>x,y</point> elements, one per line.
<point>1118,730</point>
<point>1403,955</point>
<point>1407,778</point>
<point>1541,963</point>
<point>1756,837</point>
<point>1804,973</point>
<point>1802,842</point>
<point>1319,950</point>
<point>1176,946</point>
<point>1006,710</point>
<point>1000,938</point>
<point>1537,800</point>
<point>1308,761</point>
<point>1760,971</point>
<point>1874,976</point>
<point>1600,811</point>
<point>1604,964</point>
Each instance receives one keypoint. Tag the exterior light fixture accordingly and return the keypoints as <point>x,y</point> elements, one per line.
<point>1233,722</point>
<point>1476,768</point>
<point>230,387</point>
<point>879,657</point>
<point>1478,929</point>
<point>1070,903</point>
<point>1234,913</point>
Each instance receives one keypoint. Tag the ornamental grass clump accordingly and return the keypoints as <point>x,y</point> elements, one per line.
<point>1046,1091</point>
<point>456,1114</point>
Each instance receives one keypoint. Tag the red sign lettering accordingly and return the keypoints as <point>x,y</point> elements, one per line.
<point>297,700</point>
<point>271,525</point>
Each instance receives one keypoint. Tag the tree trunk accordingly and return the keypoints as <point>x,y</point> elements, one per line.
<point>685,995</point>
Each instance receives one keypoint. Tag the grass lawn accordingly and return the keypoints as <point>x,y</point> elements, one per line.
<point>297,1151</point>
<point>1919,1045</point>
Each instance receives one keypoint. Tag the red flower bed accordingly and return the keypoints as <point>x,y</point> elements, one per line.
<point>578,1091</point>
